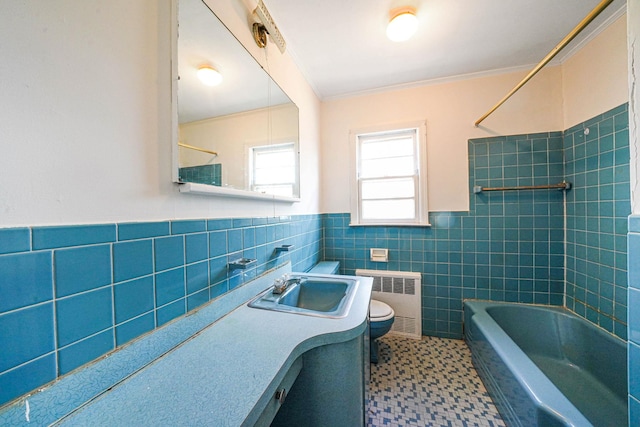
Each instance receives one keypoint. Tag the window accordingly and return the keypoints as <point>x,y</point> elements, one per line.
<point>390,177</point>
<point>273,169</point>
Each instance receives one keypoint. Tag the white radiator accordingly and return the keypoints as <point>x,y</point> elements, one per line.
<point>402,291</point>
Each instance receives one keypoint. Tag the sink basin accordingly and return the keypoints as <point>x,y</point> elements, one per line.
<point>312,296</point>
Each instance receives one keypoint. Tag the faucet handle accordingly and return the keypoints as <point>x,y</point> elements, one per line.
<point>279,286</point>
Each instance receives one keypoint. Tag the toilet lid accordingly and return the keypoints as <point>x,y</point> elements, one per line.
<point>380,311</point>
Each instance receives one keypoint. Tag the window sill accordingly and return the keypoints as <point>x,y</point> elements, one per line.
<point>390,224</point>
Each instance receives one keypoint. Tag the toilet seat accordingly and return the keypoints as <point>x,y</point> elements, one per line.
<point>379,311</point>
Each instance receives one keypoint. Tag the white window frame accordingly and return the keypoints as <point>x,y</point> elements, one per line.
<point>420,174</point>
<point>251,153</point>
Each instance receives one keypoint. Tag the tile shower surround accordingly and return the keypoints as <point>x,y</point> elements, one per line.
<point>634,320</point>
<point>71,294</point>
<point>510,246</point>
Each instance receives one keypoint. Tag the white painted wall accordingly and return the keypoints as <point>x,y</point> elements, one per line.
<point>589,83</point>
<point>85,115</point>
<point>450,111</point>
<point>594,79</point>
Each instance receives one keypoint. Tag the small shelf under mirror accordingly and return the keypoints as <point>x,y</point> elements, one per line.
<point>210,190</point>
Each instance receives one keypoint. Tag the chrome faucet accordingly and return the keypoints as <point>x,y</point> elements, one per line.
<point>280,285</point>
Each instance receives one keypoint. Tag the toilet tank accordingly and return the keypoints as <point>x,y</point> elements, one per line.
<point>326,267</point>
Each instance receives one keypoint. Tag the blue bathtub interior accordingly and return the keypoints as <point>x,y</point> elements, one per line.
<point>545,366</point>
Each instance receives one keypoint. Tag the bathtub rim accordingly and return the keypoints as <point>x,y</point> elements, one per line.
<point>534,382</point>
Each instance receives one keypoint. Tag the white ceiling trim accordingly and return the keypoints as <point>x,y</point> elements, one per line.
<point>573,49</point>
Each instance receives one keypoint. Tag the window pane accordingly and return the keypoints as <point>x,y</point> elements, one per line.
<point>274,159</point>
<point>384,148</point>
<point>388,188</point>
<point>274,175</point>
<point>388,209</point>
<point>273,165</point>
<point>396,166</point>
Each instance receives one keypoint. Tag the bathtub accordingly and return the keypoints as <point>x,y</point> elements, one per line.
<point>544,366</point>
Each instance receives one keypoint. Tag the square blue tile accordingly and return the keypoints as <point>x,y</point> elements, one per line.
<point>634,411</point>
<point>248,237</point>
<point>134,328</point>
<point>220,289</point>
<point>133,298</point>
<point>82,315</point>
<point>26,279</point>
<point>26,334</point>
<point>634,315</point>
<point>14,240</point>
<point>170,311</point>
<point>142,230</point>
<point>242,222</point>
<point>197,299</point>
<point>132,259</point>
<point>169,252</point>
<point>82,352</point>
<point>234,240</point>
<point>633,260</point>
<point>217,243</point>
<point>218,269</point>
<point>634,369</point>
<point>197,247</point>
<point>65,236</point>
<point>219,224</point>
<point>170,286</point>
<point>260,235</point>
<point>27,378</point>
<point>188,226</point>
<point>197,277</point>
<point>81,269</point>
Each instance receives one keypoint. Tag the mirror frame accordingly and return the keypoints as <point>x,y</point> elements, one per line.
<point>204,189</point>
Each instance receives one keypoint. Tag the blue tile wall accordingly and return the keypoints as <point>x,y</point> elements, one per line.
<point>597,163</point>
<point>510,246</point>
<point>71,294</point>
<point>204,174</point>
<point>633,257</point>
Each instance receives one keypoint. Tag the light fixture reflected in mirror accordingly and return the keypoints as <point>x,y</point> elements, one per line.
<point>403,24</point>
<point>209,76</point>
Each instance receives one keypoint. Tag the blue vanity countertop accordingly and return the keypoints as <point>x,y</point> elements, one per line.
<point>226,373</point>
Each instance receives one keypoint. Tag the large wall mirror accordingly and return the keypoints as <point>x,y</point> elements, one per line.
<point>236,137</point>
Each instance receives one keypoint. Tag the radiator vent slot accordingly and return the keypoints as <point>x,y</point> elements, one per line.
<point>402,291</point>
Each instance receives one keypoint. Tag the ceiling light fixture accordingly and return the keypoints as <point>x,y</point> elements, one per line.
<point>403,24</point>
<point>209,75</point>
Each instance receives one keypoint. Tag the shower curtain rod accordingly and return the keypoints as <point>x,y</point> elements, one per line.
<point>590,17</point>
<point>192,147</point>
<point>564,185</point>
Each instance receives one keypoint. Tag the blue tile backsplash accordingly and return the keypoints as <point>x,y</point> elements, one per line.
<point>597,163</point>
<point>510,246</point>
<point>71,294</point>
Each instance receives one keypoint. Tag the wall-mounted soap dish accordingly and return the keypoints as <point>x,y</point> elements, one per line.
<point>284,248</point>
<point>241,264</point>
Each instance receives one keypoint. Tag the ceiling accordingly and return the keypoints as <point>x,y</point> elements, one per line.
<point>341,47</point>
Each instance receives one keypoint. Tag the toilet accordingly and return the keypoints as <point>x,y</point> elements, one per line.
<point>381,315</point>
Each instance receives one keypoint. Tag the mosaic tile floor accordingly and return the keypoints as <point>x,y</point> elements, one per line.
<point>428,382</point>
